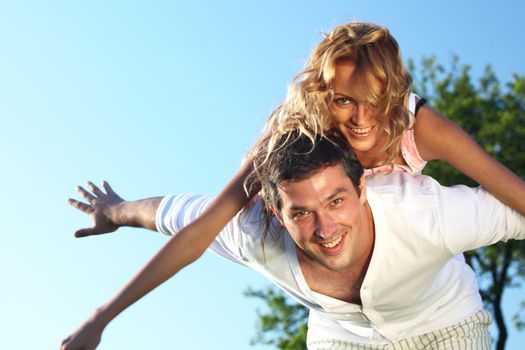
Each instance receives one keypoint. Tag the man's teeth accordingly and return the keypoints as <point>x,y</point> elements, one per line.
<point>361,130</point>
<point>333,243</point>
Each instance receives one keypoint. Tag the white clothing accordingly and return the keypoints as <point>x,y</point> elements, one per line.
<point>417,280</point>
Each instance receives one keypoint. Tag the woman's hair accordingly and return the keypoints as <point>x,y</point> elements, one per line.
<point>377,56</point>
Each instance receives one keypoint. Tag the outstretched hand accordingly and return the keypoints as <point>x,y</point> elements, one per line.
<point>87,337</point>
<point>100,207</point>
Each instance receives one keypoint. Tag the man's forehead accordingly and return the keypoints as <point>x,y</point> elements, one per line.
<point>329,172</point>
<point>324,181</point>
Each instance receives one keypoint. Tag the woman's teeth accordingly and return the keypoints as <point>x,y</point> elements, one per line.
<point>361,130</point>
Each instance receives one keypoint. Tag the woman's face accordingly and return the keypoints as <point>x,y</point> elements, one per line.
<point>352,113</point>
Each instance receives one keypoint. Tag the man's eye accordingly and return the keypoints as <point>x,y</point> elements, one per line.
<point>299,214</point>
<point>337,201</point>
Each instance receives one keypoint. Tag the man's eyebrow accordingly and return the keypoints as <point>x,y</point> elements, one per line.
<point>337,192</point>
<point>297,208</point>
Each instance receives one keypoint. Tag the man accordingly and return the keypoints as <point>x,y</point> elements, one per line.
<point>379,266</point>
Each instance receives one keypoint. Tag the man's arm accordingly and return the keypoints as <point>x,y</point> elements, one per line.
<point>472,218</point>
<point>109,211</point>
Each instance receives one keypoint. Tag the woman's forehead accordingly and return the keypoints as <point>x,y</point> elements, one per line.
<point>356,80</point>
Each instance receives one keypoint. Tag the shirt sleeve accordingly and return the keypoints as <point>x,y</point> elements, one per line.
<point>471,218</point>
<point>177,211</point>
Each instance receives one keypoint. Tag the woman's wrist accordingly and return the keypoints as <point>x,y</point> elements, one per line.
<point>101,317</point>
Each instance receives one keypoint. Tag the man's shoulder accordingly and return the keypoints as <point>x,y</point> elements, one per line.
<point>405,190</point>
<point>253,213</point>
<point>260,237</point>
<point>255,221</point>
<point>402,184</point>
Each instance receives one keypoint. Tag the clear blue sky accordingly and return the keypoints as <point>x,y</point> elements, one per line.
<point>165,97</point>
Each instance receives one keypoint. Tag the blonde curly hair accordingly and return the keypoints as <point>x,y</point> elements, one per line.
<point>376,54</point>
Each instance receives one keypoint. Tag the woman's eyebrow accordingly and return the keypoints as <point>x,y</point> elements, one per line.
<point>339,94</point>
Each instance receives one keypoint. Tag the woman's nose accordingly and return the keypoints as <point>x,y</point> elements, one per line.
<point>361,115</point>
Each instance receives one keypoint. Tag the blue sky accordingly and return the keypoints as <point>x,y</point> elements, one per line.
<point>163,97</point>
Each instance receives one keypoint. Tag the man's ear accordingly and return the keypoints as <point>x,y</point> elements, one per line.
<point>362,188</point>
<point>277,215</point>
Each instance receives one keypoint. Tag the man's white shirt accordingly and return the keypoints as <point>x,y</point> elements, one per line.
<point>417,280</point>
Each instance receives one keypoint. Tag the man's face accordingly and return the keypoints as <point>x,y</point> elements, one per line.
<point>326,218</point>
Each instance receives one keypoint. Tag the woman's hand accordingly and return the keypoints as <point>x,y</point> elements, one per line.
<point>87,337</point>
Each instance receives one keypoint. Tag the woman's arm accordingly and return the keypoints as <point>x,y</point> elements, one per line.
<point>167,262</point>
<point>439,138</point>
<point>182,249</point>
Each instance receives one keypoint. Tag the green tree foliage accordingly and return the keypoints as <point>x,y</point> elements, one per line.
<point>495,116</point>
<point>284,326</point>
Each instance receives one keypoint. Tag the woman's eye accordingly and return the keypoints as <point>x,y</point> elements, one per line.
<point>343,101</point>
<point>371,105</point>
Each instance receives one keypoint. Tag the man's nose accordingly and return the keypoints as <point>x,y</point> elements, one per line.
<point>326,226</point>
